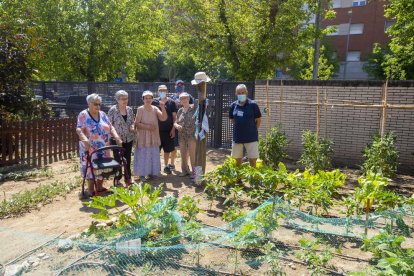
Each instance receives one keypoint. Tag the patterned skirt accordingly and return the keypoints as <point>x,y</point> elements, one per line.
<point>147,161</point>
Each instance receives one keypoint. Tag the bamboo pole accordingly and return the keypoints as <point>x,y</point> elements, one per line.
<point>267,107</point>
<point>326,114</point>
<point>397,106</point>
<point>318,110</point>
<point>281,103</point>
<point>384,109</point>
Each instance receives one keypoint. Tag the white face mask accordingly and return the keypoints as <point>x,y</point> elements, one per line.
<point>241,98</point>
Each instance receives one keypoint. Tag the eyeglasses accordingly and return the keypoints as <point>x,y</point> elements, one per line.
<point>97,104</point>
<point>180,84</point>
<point>123,99</point>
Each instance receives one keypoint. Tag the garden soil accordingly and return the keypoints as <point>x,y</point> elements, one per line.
<point>69,215</point>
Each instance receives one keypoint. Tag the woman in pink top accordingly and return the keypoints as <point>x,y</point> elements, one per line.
<point>147,153</point>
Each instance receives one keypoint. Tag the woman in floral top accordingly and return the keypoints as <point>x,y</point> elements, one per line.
<point>122,118</point>
<point>94,130</point>
<point>185,124</point>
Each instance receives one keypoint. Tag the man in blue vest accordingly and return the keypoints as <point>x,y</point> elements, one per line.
<point>245,116</point>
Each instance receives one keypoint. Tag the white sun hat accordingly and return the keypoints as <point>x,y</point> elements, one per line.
<point>200,77</point>
<point>147,93</point>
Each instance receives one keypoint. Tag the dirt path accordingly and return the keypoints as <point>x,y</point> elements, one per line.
<point>70,215</point>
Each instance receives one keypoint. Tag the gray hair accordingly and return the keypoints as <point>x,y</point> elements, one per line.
<point>241,86</point>
<point>93,98</point>
<point>120,93</point>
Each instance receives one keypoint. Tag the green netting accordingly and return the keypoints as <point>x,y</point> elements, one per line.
<point>214,251</point>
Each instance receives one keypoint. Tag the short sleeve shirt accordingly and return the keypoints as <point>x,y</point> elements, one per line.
<point>171,108</point>
<point>244,127</point>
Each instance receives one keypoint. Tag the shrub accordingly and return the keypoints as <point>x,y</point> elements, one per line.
<point>316,153</point>
<point>272,148</point>
<point>381,155</point>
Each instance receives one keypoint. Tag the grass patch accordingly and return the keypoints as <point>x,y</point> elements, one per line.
<point>19,175</point>
<point>30,199</point>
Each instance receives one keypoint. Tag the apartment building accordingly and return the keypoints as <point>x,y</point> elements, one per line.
<point>359,24</point>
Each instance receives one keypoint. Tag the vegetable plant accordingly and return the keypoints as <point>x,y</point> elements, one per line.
<point>188,206</point>
<point>316,152</point>
<point>192,231</point>
<point>314,260</point>
<point>381,155</point>
<point>370,188</point>
<point>272,257</point>
<point>272,148</point>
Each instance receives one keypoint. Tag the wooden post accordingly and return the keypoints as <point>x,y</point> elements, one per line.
<point>281,103</point>
<point>318,111</point>
<point>267,106</point>
<point>326,114</point>
<point>384,109</point>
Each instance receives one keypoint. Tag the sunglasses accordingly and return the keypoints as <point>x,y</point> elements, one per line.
<point>97,104</point>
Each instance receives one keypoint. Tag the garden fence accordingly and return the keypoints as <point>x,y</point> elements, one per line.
<point>37,142</point>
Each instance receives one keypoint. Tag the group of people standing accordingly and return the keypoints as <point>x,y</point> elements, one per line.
<point>160,123</point>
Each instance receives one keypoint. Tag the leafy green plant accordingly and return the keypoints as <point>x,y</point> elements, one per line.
<point>381,155</point>
<point>392,258</point>
<point>222,179</point>
<point>25,201</point>
<point>371,187</point>
<point>232,213</point>
<point>192,231</point>
<point>272,257</point>
<point>314,260</point>
<point>316,152</point>
<point>272,148</point>
<point>316,189</point>
<point>153,216</point>
<point>188,206</point>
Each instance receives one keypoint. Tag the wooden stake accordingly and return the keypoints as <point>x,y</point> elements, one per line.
<point>318,111</point>
<point>267,106</point>
<point>384,109</point>
<point>281,103</point>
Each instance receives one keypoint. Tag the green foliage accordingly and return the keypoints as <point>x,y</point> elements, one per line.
<point>222,179</point>
<point>232,213</point>
<point>399,63</point>
<point>19,44</point>
<point>315,189</point>
<point>19,175</point>
<point>30,199</point>
<point>192,231</point>
<point>316,153</point>
<point>372,190</point>
<point>381,155</point>
<point>328,66</point>
<point>153,216</point>
<point>272,148</point>
<point>235,36</point>
<point>272,257</point>
<point>392,258</point>
<point>314,260</point>
<point>374,66</point>
<point>188,206</point>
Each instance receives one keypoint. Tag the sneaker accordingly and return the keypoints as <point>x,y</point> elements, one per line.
<point>167,170</point>
<point>172,167</point>
<point>183,174</point>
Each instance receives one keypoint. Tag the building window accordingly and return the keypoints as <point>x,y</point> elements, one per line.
<point>359,3</point>
<point>388,23</point>
<point>334,29</point>
<point>336,4</point>
<point>353,56</point>
<point>356,29</point>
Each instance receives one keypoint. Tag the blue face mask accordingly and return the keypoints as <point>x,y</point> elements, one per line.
<point>241,98</point>
<point>178,89</point>
<point>162,95</point>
